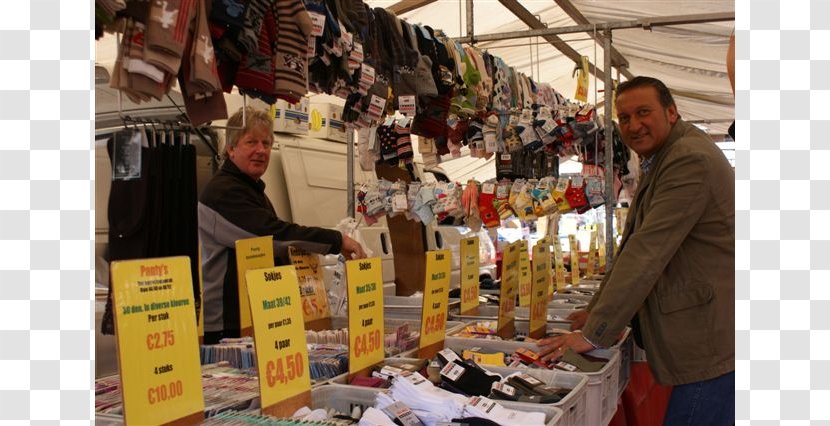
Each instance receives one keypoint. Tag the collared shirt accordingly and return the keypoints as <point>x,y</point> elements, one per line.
<point>645,165</point>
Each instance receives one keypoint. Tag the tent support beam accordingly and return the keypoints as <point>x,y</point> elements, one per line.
<point>610,196</point>
<point>616,57</point>
<point>470,19</point>
<point>538,29</point>
<point>407,6</point>
<point>644,23</point>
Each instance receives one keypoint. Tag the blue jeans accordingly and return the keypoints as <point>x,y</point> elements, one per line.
<point>705,403</point>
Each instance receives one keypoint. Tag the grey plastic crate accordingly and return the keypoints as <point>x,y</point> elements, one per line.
<point>602,389</point>
<point>344,398</point>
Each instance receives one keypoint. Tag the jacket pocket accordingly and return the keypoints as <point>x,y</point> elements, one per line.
<point>700,294</point>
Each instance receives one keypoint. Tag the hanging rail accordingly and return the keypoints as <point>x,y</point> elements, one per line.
<point>644,23</point>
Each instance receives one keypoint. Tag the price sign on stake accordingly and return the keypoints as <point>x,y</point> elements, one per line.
<point>469,275</point>
<point>507,295</point>
<point>158,349</point>
<point>279,336</point>
<point>539,295</point>
<point>574,260</point>
<point>592,256</point>
<point>251,253</point>
<point>434,311</point>
<point>365,284</point>
<point>315,302</point>
<point>559,264</point>
<point>525,280</point>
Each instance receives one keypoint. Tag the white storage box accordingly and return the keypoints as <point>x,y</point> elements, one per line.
<point>344,397</point>
<point>574,406</point>
<point>326,122</point>
<point>291,118</point>
<point>602,389</point>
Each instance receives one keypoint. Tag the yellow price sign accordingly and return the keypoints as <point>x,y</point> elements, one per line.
<point>592,256</point>
<point>158,346</point>
<point>279,336</point>
<point>365,284</point>
<point>539,295</point>
<point>507,295</point>
<point>559,264</point>
<point>469,274</point>
<point>574,259</point>
<point>436,292</point>
<point>312,287</point>
<point>525,280</point>
<point>251,253</point>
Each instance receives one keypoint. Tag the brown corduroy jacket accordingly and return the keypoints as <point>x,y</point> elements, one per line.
<point>676,265</point>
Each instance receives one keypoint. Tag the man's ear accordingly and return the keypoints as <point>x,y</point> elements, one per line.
<point>671,111</point>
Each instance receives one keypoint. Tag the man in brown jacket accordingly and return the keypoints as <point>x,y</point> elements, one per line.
<point>673,278</point>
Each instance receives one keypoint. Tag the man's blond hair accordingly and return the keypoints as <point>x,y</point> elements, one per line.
<point>254,119</point>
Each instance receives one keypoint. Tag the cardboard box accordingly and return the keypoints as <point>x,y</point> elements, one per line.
<point>326,122</point>
<point>291,118</point>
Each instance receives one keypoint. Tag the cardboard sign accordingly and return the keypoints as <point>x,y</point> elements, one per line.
<point>583,81</point>
<point>541,284</point>
<point>279,336</point>
<point>469,275</point>
<point>315,302</point>
<point>158,349</point>
<point>251,253</point>
<point>525,279</point>
<point>436,293</point>
<point>507,295</point>
<point>559,265</point>
<point>365,283</point>
<point>574,259</point>
<point>592,256</point>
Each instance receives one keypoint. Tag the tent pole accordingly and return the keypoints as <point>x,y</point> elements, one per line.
<point>610,196</point>
<point>470,20</point>
<point>350,170</point>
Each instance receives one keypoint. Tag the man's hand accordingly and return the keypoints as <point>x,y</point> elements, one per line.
<point>578,318</point>
<point>351,249</point>
<point>554,347</point>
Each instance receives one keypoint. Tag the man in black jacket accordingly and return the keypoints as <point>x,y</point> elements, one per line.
<point>234,206</point>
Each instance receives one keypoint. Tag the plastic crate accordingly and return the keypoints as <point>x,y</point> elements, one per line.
<point>574,406</point>
<point>344,398</point>
<point>411,307</point>
<point>490,313</point>
<point>626,347</point>
<point>602,389</point>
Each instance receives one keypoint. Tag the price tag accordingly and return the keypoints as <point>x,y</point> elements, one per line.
<point>592,256</point>
<point>525,280</point>
<point>574,259</point>
<point>539,292</point>
<point>318,23</point>
<point>251,253</point>
<point>406,104</point>
<point>559,265</point>
<point>504,388</point>
<point>566,366</point>
<point>449,355</point>
<point>399,203</point>
<point>509,286</point>
<point>376,107</point>
<point>436,292</point>
<point>356,54</point>
<point>577,181</point>
<point>469,272</point>
<point>367,76</point>
<point>311,50</point>
<point>365,284</point>
<point>279,336</point>
<point>452,371</point>
<point>488,188</point>
<point>312,287</point>
<point>158,350</point>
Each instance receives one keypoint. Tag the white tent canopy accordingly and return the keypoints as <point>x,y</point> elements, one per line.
<point>688,58</point>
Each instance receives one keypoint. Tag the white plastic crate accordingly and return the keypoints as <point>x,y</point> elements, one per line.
<point>626,347</point>
<point>574,406</point>
<point>602,389</point>
<point>344,398</point>
<point>411,307</point>
<point>490,313</point>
